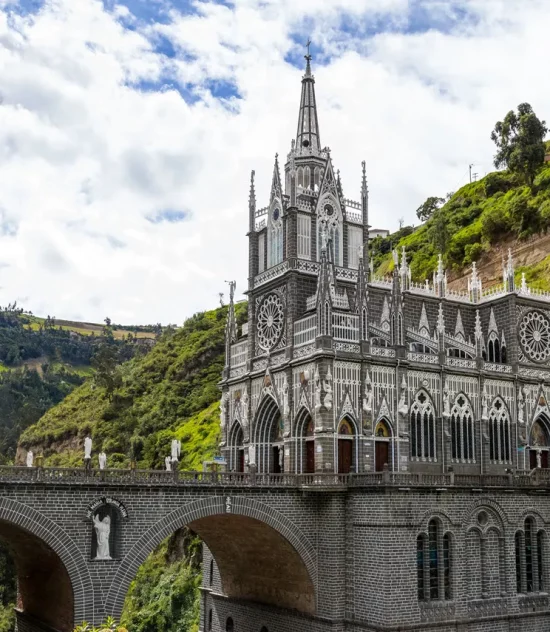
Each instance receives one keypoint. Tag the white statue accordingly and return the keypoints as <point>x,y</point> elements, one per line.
<point>30,458</point>
<point>446,403</point>
<point>402,407</point>
<point>251,455</point>
<point>317,390</point>
<point>176,450</point>
<point>244,407</point>
<point>539,459</point>
<point>367,400</point>
<point>88,447</point>
<point>286,406</point>
<point>102,531</point>
<point>168,463</point>
<point>327,403</point>
<point>484,406</point>
<point>102,460</point>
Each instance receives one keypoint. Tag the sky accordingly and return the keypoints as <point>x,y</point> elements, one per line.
<point>128,130</point>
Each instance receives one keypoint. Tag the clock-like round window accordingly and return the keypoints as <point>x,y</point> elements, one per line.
<point>276,214</point>
<point>271,320</point>
<point>534,335</point>
<point>329,210</point>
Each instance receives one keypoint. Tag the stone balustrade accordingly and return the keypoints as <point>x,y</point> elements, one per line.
<point>70,476</point>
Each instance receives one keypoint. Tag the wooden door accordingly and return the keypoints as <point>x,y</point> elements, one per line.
<point>310,457</point>
<point>345,455</point>
<point>382,455</point>
<point>532,459</point>
<point>240,461</point>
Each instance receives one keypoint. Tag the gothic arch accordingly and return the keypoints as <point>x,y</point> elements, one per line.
<point>267,430</point>
<point>235,444</point>
<point>45,530</point>
<point>485,503</point>
<point>442,516</point>
<point>199,512</point>
<point>305,443</point>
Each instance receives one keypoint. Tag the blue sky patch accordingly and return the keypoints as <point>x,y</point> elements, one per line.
<point>170,215</point>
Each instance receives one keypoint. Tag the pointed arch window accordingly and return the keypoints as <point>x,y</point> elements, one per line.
<point>462,431</point>
<point>422,422</point>
<point>493,347</point>
<point>275,252</point>
<point>530,549</point>
<point>499,433</point>
<point>261,252</point>
<point>355,241</point>
<point>307,177</point>
<point>316,173</point>
<point>300,176</point>
<point>364,323</point>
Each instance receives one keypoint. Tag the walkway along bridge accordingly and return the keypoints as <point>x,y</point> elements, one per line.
<point>285,541</point>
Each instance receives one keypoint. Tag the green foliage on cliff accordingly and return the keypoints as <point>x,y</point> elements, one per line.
<point>170,392</point>
<point>164,595</point>
<point>476,217</point>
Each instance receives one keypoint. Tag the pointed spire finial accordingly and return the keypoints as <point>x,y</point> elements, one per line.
<point>364,189</point>
<point>307,57</point>
<point>307,135</point>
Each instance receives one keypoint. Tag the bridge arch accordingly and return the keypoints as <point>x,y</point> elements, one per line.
<point>233,528</point>
<point>23,526</point>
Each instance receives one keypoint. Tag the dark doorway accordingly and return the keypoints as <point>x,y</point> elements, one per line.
<point>240,461</point>
<point>345,455</point>
<point>382,455</point>
<point>310,457</point>
<point>277,455</point>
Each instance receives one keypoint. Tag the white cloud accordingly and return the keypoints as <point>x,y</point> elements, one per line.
<point>86,157</point>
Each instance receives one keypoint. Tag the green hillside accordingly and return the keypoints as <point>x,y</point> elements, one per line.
<point>477,217</point>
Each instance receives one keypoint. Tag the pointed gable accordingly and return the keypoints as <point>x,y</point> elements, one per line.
<point>423,324</point>
<point>385,317</point>
<point>492,323</point>
<point>459,328</point>
<point>276,188</point>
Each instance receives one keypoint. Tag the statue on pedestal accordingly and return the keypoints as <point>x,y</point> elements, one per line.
<point>102,531</point>
<point>88,452</point>
<point>30,458</point>
<point>176,450</point>
<point>102,460</point>
<point>168,464</point>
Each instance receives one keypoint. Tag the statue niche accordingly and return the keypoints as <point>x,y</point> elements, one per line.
<point>106,533</point>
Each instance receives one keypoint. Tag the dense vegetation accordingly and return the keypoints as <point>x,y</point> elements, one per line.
<point>472,220</point>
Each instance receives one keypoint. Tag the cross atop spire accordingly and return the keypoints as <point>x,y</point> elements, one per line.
<point>307,136</point>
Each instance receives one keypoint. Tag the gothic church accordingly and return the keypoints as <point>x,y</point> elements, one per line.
<point>369,380</point>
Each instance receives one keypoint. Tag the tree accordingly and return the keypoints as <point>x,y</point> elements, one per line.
<point>105,362</point>
<point>426,210</point>
<point>440,232</point>
<point>519,140</point>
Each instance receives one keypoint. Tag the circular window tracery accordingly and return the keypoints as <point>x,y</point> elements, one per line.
<point>534,335</point>
<point>270,322</point>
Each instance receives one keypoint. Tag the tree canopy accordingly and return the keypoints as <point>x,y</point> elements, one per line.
<point>520,142</point>
<point>427,209</point>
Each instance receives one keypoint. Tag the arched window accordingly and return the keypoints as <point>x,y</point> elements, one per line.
<point>541,559</point>
<point>210,620</point>
<point>462,431</point>
<point>434,563</point>
<point>494,348</point>
<point>517,540</point>
<point>300,177</point>
<point>264,629</point>
<point>420,569</point>
<point>499,433</point>
<point>229,625</point>
<point>364,324</point>
<point>211,575</point>
<point>306,178</point>
<point>531,546</point>
<point>447,565</point>
<point>327,327</point>
<point>422,418</point>
<point>529,528</point>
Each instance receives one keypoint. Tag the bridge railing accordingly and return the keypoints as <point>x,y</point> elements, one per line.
<point>70,476</point>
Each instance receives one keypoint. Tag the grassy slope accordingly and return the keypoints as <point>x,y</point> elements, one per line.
<point>170,392</point>
<point>475,218</point>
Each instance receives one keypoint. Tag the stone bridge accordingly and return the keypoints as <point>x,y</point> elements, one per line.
<point>290,544</point>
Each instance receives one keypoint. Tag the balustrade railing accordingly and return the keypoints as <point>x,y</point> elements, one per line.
<point>18,475</point>
<point>345,327</point>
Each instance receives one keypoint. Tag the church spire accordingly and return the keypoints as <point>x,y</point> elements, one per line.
<point>307,136</point>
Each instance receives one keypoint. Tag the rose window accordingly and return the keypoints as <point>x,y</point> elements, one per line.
<point>534,335</point>
<point>270,322</point>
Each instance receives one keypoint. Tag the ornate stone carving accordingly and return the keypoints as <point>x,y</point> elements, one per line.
<point>30,458</point>
<point>446,403</point>
<point>244,407</point>
<point>534,336</point>
<point>270,321</point>
<point>327,387</point>
<point>317,390</point>
<point>102,460</point>
<point>367,400</point>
